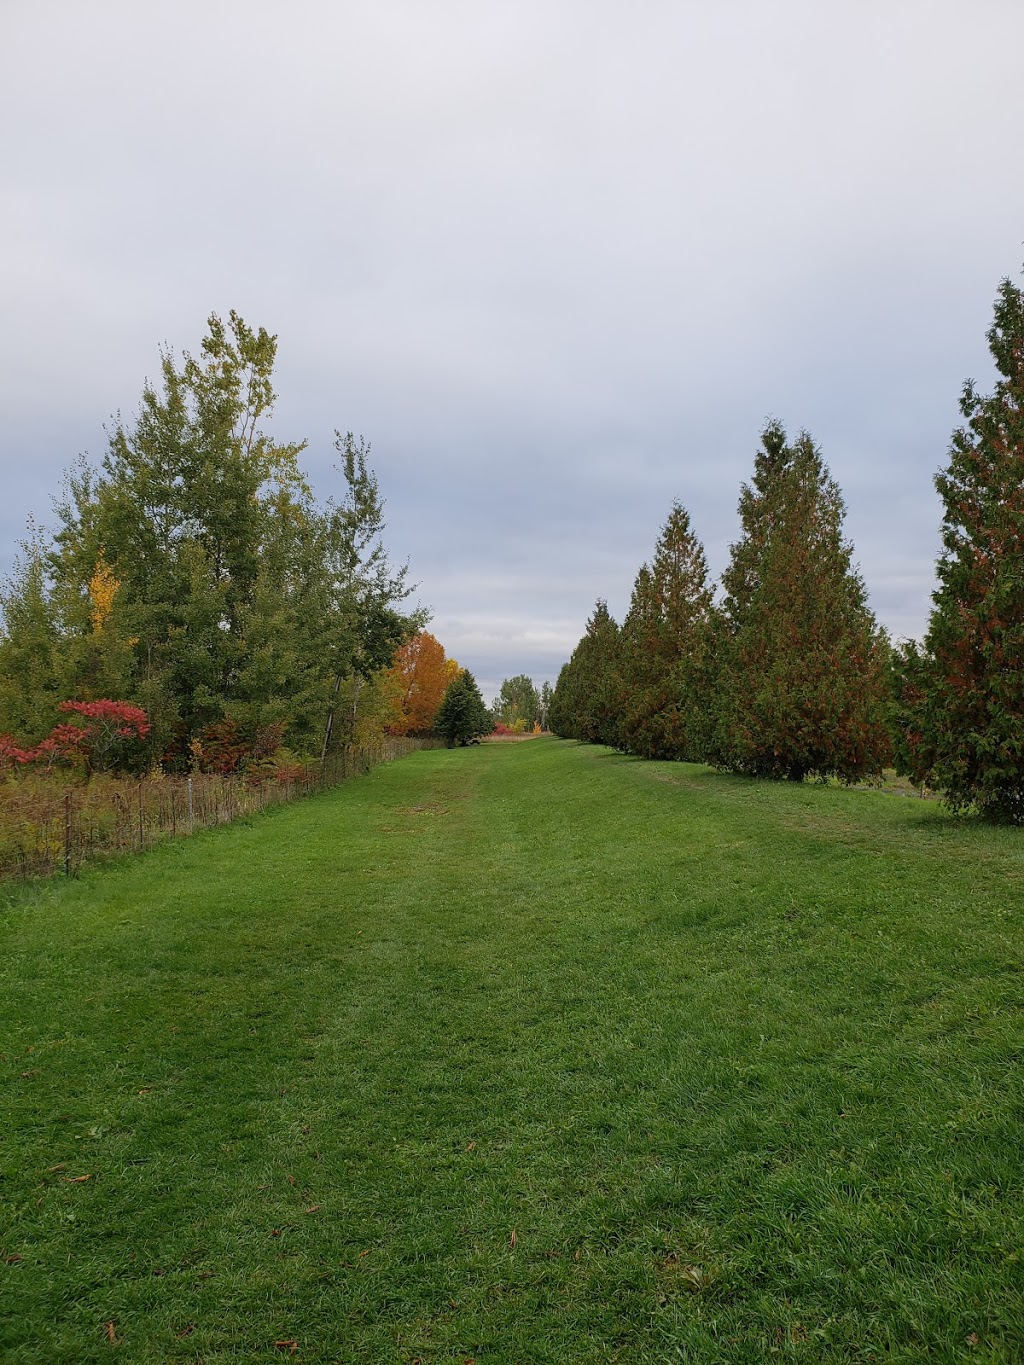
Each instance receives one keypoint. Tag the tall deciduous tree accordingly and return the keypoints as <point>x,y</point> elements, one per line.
<point>666,649</point>
<point>422,674</point>
<point>961,699</point>
<point>802,685</point>
<point>517,704</point>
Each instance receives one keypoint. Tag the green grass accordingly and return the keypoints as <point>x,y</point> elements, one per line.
<point>523,1053</point>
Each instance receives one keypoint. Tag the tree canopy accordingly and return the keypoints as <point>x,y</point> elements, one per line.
<point>518,704</point>
<point>194,573</point>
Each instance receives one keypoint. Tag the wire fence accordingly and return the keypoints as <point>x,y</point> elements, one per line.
<point>48,825</point>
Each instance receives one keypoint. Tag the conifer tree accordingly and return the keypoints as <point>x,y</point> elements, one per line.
<point>802,683</point>
<point>463,714</point>
<point>961,699</point>
<point>666,649</point>
<point>586,703</point>
<point>31,674</point>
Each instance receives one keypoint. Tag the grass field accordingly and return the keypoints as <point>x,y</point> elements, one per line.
<point>522,1053</point>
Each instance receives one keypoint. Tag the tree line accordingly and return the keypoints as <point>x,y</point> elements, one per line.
<point>785,673</point>
<point>194,574</point>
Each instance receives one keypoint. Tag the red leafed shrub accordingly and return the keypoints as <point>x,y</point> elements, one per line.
<point>108,734</point>
<point>219,748</point>
<point>66,743</point>
<point>223,748</point>
<point>502,729</point>
<point>12,756</point>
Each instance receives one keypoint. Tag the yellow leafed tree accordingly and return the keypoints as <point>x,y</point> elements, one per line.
<point>103,588</point>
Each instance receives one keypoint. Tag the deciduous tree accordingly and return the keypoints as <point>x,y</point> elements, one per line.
<point>517,705</point>
<point>422,673</point>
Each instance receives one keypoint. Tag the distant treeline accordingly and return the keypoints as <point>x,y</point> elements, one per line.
<point>786,673</point>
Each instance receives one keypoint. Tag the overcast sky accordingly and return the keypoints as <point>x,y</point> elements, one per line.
<point>557,260</point>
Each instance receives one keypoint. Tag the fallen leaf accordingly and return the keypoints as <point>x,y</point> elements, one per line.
<point>62,1166</point>
<point>146,1090</point>
<point>692,1275</point>
<point>471,1147</point>
<point>77,1179</point>
<point>13,1258</point>
<point>187,1330</point>
<point>365,1253</point>
<point>290,1346</point>
<point>973,1339</point>
<point>513,1240</point>
<point>291,1180</point>
<point>576,1254</point>
<point>111,1332</point>
<point>26,1075</point>
<point>275,1232</point>
<point>305,1129</point>
<point>313,1208</point>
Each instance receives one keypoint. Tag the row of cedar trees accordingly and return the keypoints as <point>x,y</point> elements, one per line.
<point>194,577</point>
<point>787,674</point>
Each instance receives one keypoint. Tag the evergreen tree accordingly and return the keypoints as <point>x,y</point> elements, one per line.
<point>586,702</point>
<point>666,649</point>
<point>802,682</point>
<point>463,715</point>
<point>960,701</point>
<point>31,679</point>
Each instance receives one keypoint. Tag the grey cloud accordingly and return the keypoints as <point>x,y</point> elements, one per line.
<point>557,262</point>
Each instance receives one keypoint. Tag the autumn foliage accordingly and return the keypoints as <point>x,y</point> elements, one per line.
<point>106,736</point>
<point>422,673</point>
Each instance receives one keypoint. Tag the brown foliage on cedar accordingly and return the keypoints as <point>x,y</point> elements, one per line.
<point>802,682</point>
<point>960,700</point>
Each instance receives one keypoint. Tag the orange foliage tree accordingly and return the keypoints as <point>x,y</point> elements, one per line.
<point>423,673</point>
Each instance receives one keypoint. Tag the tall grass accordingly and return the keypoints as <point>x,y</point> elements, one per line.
<point>56,823</point>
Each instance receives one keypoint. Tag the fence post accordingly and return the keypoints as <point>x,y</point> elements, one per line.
<point>191,808</point>
<point>67,834</point>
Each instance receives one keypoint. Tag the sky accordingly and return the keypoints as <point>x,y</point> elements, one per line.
<point>556,260</point>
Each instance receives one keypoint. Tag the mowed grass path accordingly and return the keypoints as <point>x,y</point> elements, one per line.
<point>523,1053</point>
